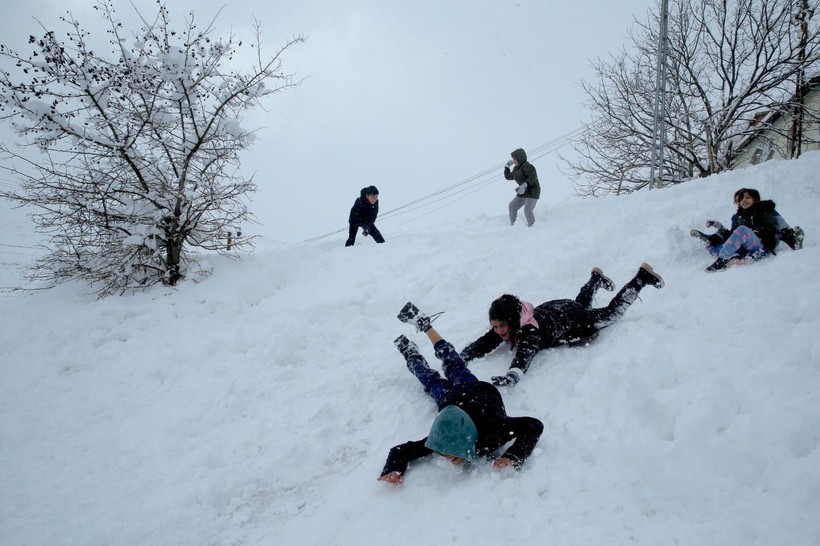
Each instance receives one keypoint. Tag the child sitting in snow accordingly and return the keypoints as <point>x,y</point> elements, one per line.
<point>472,420</point>
<point>755,231</point>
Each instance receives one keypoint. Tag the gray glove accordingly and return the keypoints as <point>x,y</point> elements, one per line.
<point>512,377</point>
<point>365,231</point>
<point>521,189</point>
<point>715,224</point>
<point>509,164</point>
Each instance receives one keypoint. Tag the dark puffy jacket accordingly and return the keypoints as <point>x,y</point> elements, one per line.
<point>524,172</point>
<point>559,321</point>
<point>760,218</point>
<point>483,403</point>
<point>363,213</point>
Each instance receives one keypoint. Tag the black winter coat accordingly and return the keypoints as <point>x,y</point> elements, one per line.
<point>760,218</point>
<point>524,172</point>
<point>559,321</point>
<point>363,213</point>
<point>483,403</point>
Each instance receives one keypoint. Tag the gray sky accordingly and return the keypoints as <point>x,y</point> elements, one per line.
<point>409,96</point>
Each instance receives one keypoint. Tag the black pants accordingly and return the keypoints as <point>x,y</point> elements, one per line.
<point>571,320</point>
<point>371,227</point>
<point>605,316</point>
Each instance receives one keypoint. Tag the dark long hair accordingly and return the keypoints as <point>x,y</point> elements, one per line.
<point>754,194</point>
<point>507,309</point>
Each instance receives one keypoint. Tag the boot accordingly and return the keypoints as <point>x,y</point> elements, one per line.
<point>700,236</point>
<point>719,265</point>
<point>411,315</point>
<point>648,276</point>
<point>603,281</point>
<point>798,237</point>
<point>406,347</point>
<point>711,240</point>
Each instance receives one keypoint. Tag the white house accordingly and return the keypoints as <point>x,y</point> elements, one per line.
<point>773,139</point>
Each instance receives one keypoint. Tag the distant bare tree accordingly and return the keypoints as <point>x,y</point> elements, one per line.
<point>139,150</point>
<point>727,61</point>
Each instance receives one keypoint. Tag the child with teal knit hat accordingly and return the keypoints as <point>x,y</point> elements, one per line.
<point>472,421</point>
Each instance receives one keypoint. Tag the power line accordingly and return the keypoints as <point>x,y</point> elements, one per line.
<point>473,184</point>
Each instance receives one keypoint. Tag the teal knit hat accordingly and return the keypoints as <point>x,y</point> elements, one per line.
<point>453,433</point>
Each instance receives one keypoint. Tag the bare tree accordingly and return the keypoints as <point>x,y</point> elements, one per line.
<point>139,151</point>
<point>727,61</point>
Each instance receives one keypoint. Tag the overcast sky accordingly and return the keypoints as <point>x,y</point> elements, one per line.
<point>409,96</point>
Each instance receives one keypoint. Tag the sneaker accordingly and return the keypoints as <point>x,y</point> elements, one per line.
<point>648,276</point>
<point>719,265</point>
<point>798,237</point>
<point>405,346</point>
<point>700,235</point>
<point>603,281</point>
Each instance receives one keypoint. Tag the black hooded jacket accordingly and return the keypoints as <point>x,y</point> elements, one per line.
<point>524,172</point>
<point>560,322</point>
<point>483,403</point>
<point>761,219</point>
<point>363,213</point>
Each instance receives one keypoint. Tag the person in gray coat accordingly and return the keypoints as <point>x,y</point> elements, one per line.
<point>528,191</point>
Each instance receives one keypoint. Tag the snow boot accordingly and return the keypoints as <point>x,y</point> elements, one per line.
<point>789,236</point>
<point>411,315</point>
<point>700,236</point>
<point>711,240</point>
<point>648,276</point>
<point>406,347</point>
<point>798,237</point>
<point>602,280</point>
<point>718,265</point>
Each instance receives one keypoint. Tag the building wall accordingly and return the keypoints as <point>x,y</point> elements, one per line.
<point>772,143</point>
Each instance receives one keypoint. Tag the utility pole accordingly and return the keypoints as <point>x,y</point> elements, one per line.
<point>798,108</point>
<point>658,124</point>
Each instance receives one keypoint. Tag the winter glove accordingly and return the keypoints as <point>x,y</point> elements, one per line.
<point>509,164</point>
<point>512,377</point>
<point>521,189</point>
<point>365,231</point>
<point>714,223</point>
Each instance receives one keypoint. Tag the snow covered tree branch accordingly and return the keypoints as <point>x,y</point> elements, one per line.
<point>727,63</point>
<point>139,157</point>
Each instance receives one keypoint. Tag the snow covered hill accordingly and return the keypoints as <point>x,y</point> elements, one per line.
<point>258,407</point>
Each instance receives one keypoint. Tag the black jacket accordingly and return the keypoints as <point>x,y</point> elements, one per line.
<point>524,172</point>
<point>363,213</point>
<point>559,321</point>
<point>483,403</point>
<point>760,218</point>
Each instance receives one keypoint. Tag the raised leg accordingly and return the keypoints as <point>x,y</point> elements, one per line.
<point>597,279</point>
<point>626,296</point>
<point>455,369</point>
<point>432,382</point>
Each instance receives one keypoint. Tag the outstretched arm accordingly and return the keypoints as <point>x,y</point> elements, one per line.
<point>482,346</point>
<point>400,457</point>
<point>526,349</point>
<point>527,431</point>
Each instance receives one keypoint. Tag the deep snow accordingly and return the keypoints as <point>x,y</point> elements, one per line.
<point>258,406</point>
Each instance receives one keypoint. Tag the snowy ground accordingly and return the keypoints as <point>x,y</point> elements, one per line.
<point>258,407</point>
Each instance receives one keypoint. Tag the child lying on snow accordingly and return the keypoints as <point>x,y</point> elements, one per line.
<point>472,420</point>
<point>531,329</point>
